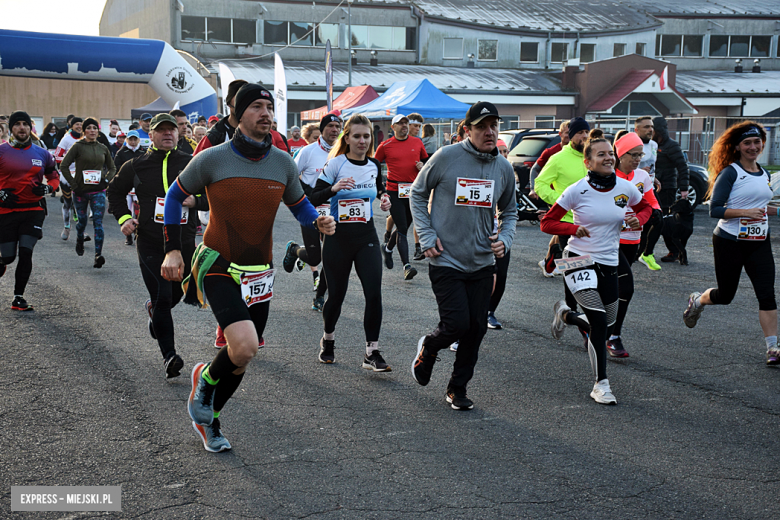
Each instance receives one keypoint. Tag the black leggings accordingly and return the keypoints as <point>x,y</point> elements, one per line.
<point>402,217</point>
<point>625,283</point>
<point>359,245</point>
<point>164,294</point>
<point>756,257</point>
<point>600,306</point>
<point>311,253</point>
<point>502,266</point>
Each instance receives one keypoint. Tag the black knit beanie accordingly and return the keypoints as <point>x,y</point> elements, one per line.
<point>19,116</point>
<point>247,95</point>
<point>328,119</point>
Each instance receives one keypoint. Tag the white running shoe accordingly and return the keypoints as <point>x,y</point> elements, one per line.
<point>454,346</point>
<point>558,325</point>
<point>692,312</point>
<point>544,269</point>
<point>557,272</point>
<point>602,394</point>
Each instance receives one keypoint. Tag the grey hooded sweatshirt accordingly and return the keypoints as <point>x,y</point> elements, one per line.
<point>464,231</point>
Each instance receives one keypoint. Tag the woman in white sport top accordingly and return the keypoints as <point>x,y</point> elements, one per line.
<point>598,203</point>
<point>739,195</point>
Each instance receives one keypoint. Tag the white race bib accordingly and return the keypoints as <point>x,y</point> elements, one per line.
<point>159,212</point>
<point>353,210</point>
<point>324,210</point>
<point>257,287</point>
<point>474,192</point>
<point>577,281</point>
<point>92,177</point>
<point>575,262</point>
<point>753,228</point>
<point>404,190</point>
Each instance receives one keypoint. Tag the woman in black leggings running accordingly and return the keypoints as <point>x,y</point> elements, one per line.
<point>351,181</point>
<point>739,195</point>
<point>590,261</point>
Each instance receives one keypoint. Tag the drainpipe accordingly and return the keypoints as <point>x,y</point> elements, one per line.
<point>419,17</point>
<point>547,51</point>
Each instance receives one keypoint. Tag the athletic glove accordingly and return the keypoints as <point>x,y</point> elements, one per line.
<point>8,198</point>
<point>656,217</point>
<point>41,189</point>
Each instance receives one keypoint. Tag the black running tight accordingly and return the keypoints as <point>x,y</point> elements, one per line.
<point>402,217</point>
<point>359,245</point>
<point>502,266</point>
<point>600,306</point>
<point>625,283</point>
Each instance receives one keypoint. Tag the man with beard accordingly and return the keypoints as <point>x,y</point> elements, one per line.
<point>185,144</point>
<point>22,169</point>
<point>297,142</point>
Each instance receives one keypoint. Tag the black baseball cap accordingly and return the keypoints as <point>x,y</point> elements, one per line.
<point>479,111</point>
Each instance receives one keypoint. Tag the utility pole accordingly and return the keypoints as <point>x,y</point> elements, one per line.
<point>349,39</point>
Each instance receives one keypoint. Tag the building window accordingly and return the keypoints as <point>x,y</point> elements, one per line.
<point>219,30</point>
<point>487,50</point>
<point>193,28</point>
<point>244,31</point>
<point>559,52</point>
<point>274,33</point>
<point>544,121</point>
<point>453,48</point>
<point>529,52</point>
<point>739,46</point>
<point>325,32</point>
<point>587,52</point>
<point>679,45</point>
<point>380,37</point>
<point>411,38</point>
<point>619,49</point>
<point>640,48</point>
<point>301,33</point>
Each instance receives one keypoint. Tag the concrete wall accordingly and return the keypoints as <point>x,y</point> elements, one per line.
<point>708,28</point>
<point>49,98</point>
<point>151,19</point>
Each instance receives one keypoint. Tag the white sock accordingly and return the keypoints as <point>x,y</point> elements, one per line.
<point>329,337</point>
<point>613,337</point>
<point>388,250</point>
<point>771,342</point>
<point>697,302</point>
<point>371,346</point>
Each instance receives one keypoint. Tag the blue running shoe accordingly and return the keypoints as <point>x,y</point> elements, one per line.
<point>201,402</point>
<point>212,437</point>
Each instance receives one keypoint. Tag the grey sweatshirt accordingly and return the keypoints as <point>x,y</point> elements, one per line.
<point>464,231</point>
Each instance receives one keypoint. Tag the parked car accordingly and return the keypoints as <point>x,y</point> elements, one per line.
<point>513,137</point>
<point>699,179</point>
<point>523,156</point>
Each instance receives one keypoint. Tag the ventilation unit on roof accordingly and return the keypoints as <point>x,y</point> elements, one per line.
<point>738,66</point>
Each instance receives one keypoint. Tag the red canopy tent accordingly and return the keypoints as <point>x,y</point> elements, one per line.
<point>351,97</point>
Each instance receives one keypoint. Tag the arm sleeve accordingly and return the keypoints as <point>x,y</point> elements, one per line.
<point>721,192</point>
<point>640,206</point>
<point>118,189</point>
<point>546,177</point>
<point>423,151</point>
<point>69,159</point>
<point>321,193</point>
<point>109,162</point>
<point>534,174</point>
<point>380,153</point>
<point>421,192</point>
<point>202,145</point>
<point>50,172</point>
<point>507,211</point>
<point>380,180</point>
<point>552,225</point>
<point>542,160</point>
<point>201,202</point>
<point>59,153</point>
<point>683,177</point>
<point>304,212</point>
<point>172,217</point>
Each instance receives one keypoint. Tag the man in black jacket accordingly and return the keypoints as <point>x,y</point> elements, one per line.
<point>145,174</point>
<point>671,171</point>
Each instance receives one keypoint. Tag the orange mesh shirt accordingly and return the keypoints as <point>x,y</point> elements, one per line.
<point>244,196</point>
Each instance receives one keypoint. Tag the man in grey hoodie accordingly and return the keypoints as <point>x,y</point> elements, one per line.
<point>471,184</point>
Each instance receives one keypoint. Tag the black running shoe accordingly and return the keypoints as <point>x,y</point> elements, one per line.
<point>458,400</point>
<point>376,362</point>
<point>387,255</point>
<point>409,272</point>
<point>2,270</point>
<point>493,323</point>
<point>318,303</point>
<point>20,304</point>
<point>173,366</point>
<point>290,257</point>
<point>80,246</point>
<point>99,261</point>
<point>616,349</point>
<point>326,351</point>
<point>87,238</point>
<point>418,253</point>
<point>422,366</point>
<point>129,240</point>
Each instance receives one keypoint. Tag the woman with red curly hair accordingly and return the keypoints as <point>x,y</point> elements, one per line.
<point>739,194</point>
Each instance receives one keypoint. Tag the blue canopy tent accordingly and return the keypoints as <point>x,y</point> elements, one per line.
<point>406,97</point>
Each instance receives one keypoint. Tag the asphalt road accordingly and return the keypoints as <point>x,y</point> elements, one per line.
<point>694,434</point>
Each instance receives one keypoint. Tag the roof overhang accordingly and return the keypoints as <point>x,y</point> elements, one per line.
<point>643,82</point>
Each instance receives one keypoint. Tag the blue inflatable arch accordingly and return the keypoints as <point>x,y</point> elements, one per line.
<point>100,58</point>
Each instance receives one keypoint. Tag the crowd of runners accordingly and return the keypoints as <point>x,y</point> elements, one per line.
<point>166,183</point>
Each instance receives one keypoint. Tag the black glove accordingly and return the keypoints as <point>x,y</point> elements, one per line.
<point>41,189</point>
<point>7,198</point>
<point>656,217</point>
